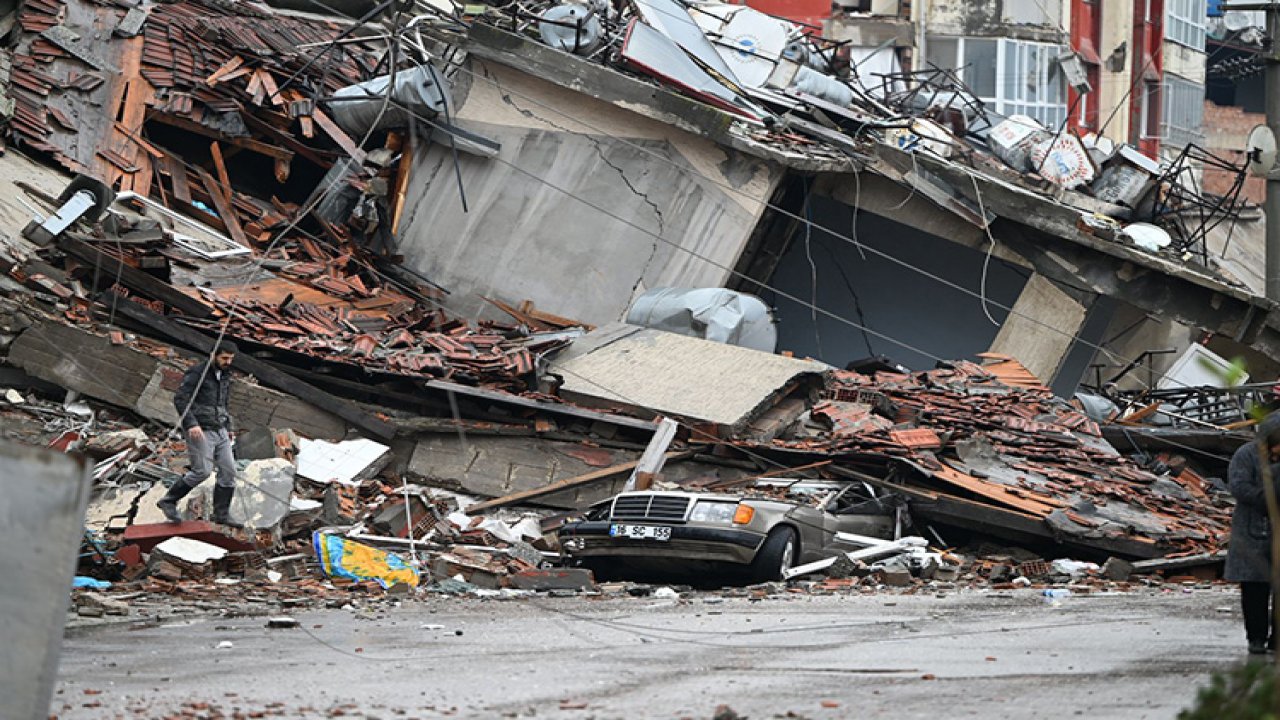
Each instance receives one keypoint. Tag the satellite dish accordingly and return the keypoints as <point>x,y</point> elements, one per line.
<point>1261,149</point>
<point>752,43</point>
<point>573,28</point>
<point>1236,21</point>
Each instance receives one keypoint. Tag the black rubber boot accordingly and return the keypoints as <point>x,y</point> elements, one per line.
<point>169,503</point>
<point>222,506</point>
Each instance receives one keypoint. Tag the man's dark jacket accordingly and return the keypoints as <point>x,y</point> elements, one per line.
<point>1249,554</point>
<point>209,409</point>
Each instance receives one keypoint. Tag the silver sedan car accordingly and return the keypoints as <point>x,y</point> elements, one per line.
<point>646,530</point>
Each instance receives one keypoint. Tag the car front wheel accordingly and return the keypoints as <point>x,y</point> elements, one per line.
<point>776,555</point>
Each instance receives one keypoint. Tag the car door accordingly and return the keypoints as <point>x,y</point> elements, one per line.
<point>817,531</point>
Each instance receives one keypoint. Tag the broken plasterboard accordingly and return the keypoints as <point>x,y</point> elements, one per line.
<point>190,234</point>
<point>349,462</point>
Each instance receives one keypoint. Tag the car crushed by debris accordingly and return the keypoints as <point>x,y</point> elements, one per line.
<point>759,537</point>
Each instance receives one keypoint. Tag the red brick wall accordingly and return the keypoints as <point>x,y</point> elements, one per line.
<point>1226,129</point>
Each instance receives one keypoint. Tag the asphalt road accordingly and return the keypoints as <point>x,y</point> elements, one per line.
<point>968,654</point>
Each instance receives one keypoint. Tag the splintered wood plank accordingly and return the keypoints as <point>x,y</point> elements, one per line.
<point>260,93</point>
<point>221,167</point>
<point>136,280</point>
<point>402,183</point>
<point>221,73</point>
<point>178,176</point>
<point>131,102</point>
<point>136,139</point>
<point>255,85</point>
<point>335,133</point>
<point>225,212</point>
<point>273,91</point>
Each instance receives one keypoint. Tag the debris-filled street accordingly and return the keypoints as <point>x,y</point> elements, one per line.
<point>648,358</point>
<point>952,654</point>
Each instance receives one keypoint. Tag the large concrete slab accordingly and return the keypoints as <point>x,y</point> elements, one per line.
<point>491,466</point>
<point>1042,329</point>
<point>496,466</point>
<point>124,376</point>
<point>652,371</point>
<point>41,525</point>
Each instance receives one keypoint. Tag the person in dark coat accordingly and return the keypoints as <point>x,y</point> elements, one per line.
<point>1249,553</point>
<point>201,402</point>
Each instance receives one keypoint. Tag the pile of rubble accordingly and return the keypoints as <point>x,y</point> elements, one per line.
<point>993,432</point>
<point>113,295</point>
<point>298,499</point>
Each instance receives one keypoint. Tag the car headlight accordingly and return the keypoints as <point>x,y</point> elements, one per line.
<point>713,512</point>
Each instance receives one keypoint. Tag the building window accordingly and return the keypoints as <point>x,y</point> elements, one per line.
<point>1182,111</point>
<point>980,57</point>
<point>1012,77</point>
<point>1184,22</point>
<point>1150,109</point>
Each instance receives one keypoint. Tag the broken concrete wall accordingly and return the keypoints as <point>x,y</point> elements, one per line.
<point>870,32</point>
<point>522,238</point>
<point>493,466</point>
<point>496,466</point>
<point>646,371</point>
<point>1028,19</point>
<point>1239,250</point>
<point>129,378</point>
<point>1041,329</point>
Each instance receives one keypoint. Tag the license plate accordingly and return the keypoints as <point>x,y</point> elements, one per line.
<point>641,532</point>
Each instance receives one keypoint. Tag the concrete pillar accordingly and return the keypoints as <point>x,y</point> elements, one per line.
<point>1039,331</point>
<point>1116,76</point>
<point>41,524</point>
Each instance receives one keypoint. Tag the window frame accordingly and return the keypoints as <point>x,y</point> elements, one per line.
<point>1181,110</point>
<point>1185,22</point>
<point>1012,70</point>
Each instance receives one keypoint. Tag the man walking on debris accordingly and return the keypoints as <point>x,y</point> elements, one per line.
<point>1249,553</point>
<point>201,402</point>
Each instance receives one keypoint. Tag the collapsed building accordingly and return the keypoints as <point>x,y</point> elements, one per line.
<point>429,242</point>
